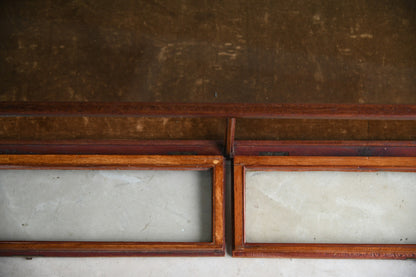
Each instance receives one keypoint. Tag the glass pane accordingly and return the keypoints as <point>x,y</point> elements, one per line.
<point>330,207</point>
<point>105,205</point>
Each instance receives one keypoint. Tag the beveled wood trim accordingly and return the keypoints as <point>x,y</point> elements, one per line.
<point>230,135</point>
<point>108,161</point>
<point>211,147</point>
<point>325,148</point>
<point>238,212</point>
<point>327,251</point>
<point>236,110</point>
<point>119,147</point>
<point>218,210</point>
<point>314,250</point>
<point>327,162</point>
<point>92,248</point>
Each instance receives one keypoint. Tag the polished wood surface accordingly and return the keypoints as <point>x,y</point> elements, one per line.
<point>325,148</point>
<point>122,161</point>
<point>83,249</point>
<point>328,251</point>
<point>119,147</point>
<point>229,140</point>
<point>314,250</point>
<point>241,110</point>
<point>328,162</point>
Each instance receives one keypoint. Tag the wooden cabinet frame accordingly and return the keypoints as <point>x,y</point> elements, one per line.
<point>80,248</point>
<point>386,155</point>
<point>314,250</point>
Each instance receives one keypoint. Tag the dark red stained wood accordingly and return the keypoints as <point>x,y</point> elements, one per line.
<point>107,249</point>
<point>328,251</point>
<point>95,253</point>
<point>314,250</point>
<point>121,147</point>
<point>207,147</point>
<point>218,205</point>
<point>77,248</point>
<point>326,148</point>
<point>230,135</point>
<point>238,110</point>
<point>238,207</point>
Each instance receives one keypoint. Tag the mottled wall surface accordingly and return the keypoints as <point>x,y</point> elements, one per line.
<point>209,51</point>
<point>315,129</point>
<point>61,128</point>
<point>64,128</point>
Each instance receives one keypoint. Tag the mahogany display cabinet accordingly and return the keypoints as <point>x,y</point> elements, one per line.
<point>150,85</point>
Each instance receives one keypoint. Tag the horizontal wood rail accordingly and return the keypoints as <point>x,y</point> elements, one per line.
<point>211,147</point>
<point>111,147</point>
<point>324,148</point>
<point>232,110</point>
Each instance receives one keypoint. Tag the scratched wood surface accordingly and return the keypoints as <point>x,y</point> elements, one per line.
<point>310,51</point>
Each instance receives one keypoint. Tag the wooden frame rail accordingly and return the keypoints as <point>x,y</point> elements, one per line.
<point>93,248</point>
<point>314,250</point>
<point>229,110</point>
<point>113,147</point>
<point>325,148</point>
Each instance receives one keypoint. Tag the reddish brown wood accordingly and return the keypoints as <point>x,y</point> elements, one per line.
<point>333,251</point>
<point>106,249</point>
<point>77,248</point>
<point>237,110</point>
<point>207,147</point>
<point>121,147</point>
<point>238,212</point>
<point>314,250</point>
<point>328,162</point>
<point>218,210</point>
<point>326,148</point>
<point>230,135</point>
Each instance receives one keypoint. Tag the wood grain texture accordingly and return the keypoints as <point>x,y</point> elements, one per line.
<point>328,251</point>
<point>314,250</point>
<point>106,249</point>
<point>237,110</point>
<point>218,211</point>
<point>328,162</point>
<point>75,248</point>
<point>229,140</point>
<point>107,161</point>
<point>238,211</point>
<point>119,147</point>
<point>326,148</point>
